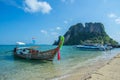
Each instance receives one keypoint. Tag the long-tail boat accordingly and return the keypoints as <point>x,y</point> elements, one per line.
<point>31,53</point>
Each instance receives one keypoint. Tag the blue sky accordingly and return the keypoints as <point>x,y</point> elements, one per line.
<point>45,20</point>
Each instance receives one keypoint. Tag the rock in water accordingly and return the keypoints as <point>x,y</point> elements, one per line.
<point>91,32</point>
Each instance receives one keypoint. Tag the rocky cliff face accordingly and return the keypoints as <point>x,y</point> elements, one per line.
<point>73,31</point>
<point>94,27</point>
<point>93,32</point>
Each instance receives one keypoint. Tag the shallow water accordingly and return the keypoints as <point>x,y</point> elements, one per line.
<point>71,58</point>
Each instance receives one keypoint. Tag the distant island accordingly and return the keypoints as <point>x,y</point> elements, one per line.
<point>90,33</point>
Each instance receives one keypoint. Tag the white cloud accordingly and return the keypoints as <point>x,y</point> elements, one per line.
<point>31,6</point>
<point>65,21</point>
<point>117,20</point>
<point>14,3</point>
<point>68,21</point>
<point>54,33</point>
<point>58,28</point>
<point>44,31</point>
<point>112,15</point>
<point>37,6</point>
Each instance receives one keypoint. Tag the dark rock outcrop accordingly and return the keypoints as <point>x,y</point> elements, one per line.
<point>94,27</point>
<point>91,32</point>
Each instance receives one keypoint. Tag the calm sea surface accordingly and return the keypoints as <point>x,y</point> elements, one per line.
<point>71,58</point>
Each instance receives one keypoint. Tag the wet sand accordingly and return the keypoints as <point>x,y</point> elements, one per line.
<point>109,70</point>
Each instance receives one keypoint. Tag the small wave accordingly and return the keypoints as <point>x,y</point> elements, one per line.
<point>61,77</point>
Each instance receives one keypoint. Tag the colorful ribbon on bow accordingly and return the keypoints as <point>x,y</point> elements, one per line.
<point>60,46</point>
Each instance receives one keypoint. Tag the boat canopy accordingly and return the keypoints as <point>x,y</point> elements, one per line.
<point>20,43</point>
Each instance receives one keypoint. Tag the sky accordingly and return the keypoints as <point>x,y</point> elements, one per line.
<point>45,20</point>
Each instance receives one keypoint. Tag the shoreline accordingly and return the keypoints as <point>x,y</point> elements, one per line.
<point>97,71</point>
<point>111,71</point>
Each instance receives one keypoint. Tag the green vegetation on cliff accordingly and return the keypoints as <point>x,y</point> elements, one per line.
<point>90,33</point>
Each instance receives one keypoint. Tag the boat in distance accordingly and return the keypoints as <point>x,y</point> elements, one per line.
<point>94,47</point>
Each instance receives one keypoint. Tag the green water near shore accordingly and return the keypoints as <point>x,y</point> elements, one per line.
<point>71,58</point>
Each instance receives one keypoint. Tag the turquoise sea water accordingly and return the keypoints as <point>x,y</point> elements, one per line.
<point>71,58</point>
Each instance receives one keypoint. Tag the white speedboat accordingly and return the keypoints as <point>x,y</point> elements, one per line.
<point>91,47</point>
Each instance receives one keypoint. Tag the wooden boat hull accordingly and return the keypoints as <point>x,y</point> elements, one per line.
<point>31,53</point>
<point>45,55</point>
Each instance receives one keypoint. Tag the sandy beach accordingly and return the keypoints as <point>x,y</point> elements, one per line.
<point>111,71</point>
<point>108,71</point>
